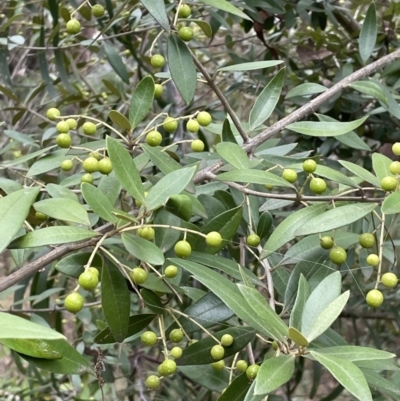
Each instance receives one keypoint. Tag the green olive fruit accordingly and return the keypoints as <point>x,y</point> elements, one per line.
<point>197,145</point>
<point>374,298</point>
<point>253,240</point>
<point>72,123</point>
<point>157,61</point>
<point>182,249</point>
<point>176,335</point>
<point>326,242</point>
<point>204,118</point>
<point>158,91</point>
<point>251,372</point>
<point>396,148</point>
<point>62,127</point>
<point>192,125</point>
<point>53,113</point>
<point>184,11</point>
<point>153,138</point>
<point>367,240</point>
<point>186,33</point>
<point>66,165</point>
<point>389,183</point>
<point>171,271</point>
<point>241,365</point>
<point>269,186</point>
<point>309,166</point>
<point>40,216</point>
<point>167,368</point>
<point>138,275</point>
<point>152,382</point>
<point>89,128</point>
<point>389,280</point>
<point>394,168</point>
<point>338,255</point>
<point>220,365</point>
<point>96,155</point>
<point>373,260</point>
<point>289,175</point>
<point>317,185</point>
<point>93,270</point>
<point>226,340</point>
<point>88,281</point>
<point>63,140</point>
<point>90,165</point>
<point>217,351</point>
<point>176,352</point>
<point>74,302</point>
<point>148,338</point>
<point>170,124</point>
<point>88,178</point>
<point>73,26</point>
<point>105,166</point>
<point>98,10</point>
<point>214,238</point>
<point>147,233</point>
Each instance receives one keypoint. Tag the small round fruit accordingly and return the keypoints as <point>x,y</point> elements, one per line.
<point>158,90</point>
<point>309,166</point>
<point>53,113</point>
<point>241,365</point>
<point>326,242</point>
<point>253,240</point>
<point>217,351</point>
<point>62,127</point>
<point>88,178</point>
<point>98,10</point>
<point>170,124</point>
<point>184,11</point>
<point>40,216</point>
<point>152,382</point>
<point>138,275</point>
<point>168,367</point>
<point>197,145</point>
<point>394,168</point>
<point>389,183</point>
<point>338,255</point>
<point>367,240</point>
<point>89,128</point>
<point>171,271</point>
<point>95,154</point>
<point>66,165</point>
<point>74,302</point>
<point>182,249</point>
<point>157,61</point>
<point>251,372</point>
<point>186,33</point>
<point>93,270</point>
<point>396,148</point>
<point>73,26</point>
<point>176,352</point>
<point>220,365</point>
<point>147,233</point>
<point>88,281</point>
<point>269,186</point>
<point>204,118</point>
<point>90,165</point>
<point>148,338</point>
<point>226,340</point>
<point>374,298</point>
<point>153,138</point>
<point>317,185</point>
<point>72,123</point>
<point>289,175</point>
<point>389,280</point>
<point>373,260</point>
<point>192,126</point>
<point>213,238</point>
<point>63,140</point>
<point>275,345</point>
<point>176,335</point>
<point>105,166</point>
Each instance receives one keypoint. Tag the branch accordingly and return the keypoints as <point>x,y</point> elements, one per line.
<point>44,260</point>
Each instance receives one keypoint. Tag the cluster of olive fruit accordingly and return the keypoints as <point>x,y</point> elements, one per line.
<point>390,183</point>
<point>88,280</point>
<point>317,185</point>
<point>73,26</point>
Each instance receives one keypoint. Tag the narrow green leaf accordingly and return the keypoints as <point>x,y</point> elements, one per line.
<point>204,26</point>
<point>347,374</point>
<point>162,190</point>
<point>252,176</point>
<point>47,163</point>
<point>355,353</point>
<point>98,202</point>
<point>325,129</point>
<point>352,140</point>
<point>52,236</point>
<point>161,160</point>
<point>391,204</point>
<point>237,390</point>
<point>297,337</point>
<point>30,156</point>
<point>116,62</point>
<point>233,154</point>
<point>32,347</point>
<point>226,6</point>
<point>63,209</point>
<point>206,376</point>
<point>72,265</point>
<point>273,373</point>
<point>227,134</point>
<point>58,191</point>
<point>141,101</point>
<point>361,172</point>
<point>273,324</point>
<point>120,120</point>
<point>335,218</point>
<point>306,89</point>
<point>115,301</point>
<point>157,9</point>
<point>368,33</point>
<point>370,88</point>
<point>199,352</point>
<point>287,229</point>
<point>325,319</point>
<point>255,65</point>
<point>380,164</point>
<point>152,301</point>
<point>303,292</point>
<point>181,65</point>
<point>267,100</point>
<point>14,209</point>
<point>376,381</point>
<point>143,249</point>
<point>125,169</point>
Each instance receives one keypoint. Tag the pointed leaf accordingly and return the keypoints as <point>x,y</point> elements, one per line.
<point>347,374</point>
<point>98,202</point>
<point>303,292</point>
<point>361,172</point>
<point>376,381</point>
<point>368,33</point>
<point>355,353</point>
<point>157,9</point>
<point>267,100</point>
<point>273,373</point>
<point>160,159</point>
<point>305,89</point>
<point>255,65</point>
<point>206,376</point>
<point>152,301</point>
<point>14,209</point>
<point>143,249</point>
<point>162,190</point>
<point>370,88</point>
<point>204,26</point>
<point>335,218</point>
<point>125,169</point>
<point>72,265</point>
<point>391,204</point>
<point>380,164</point>
<point>120,120</point>
<point>297,337</point>
<point>181,65</point>
<point>325,129</point>
<point>226,6</point>
<point>32,347</point>
<point>115,301</point>
<point>141,101</point>
<point>233,154</point>
<point>116,62</point>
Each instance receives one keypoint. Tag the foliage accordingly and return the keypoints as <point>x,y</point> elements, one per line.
<point>277,95</point>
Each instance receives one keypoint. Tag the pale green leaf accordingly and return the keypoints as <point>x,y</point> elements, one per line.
<point>381,164</point>
<point>233,154</point>
<point>226,6</point>
<point>98,202</point>
<point>368,34</point>
<point>305,89</point>
<point>303,292</point>
<point>361,172</point>
<point>120,120</point>
<point>355,353</point>
<point>370,88</point>
<point>157,9</point>
<point>255,65</point>
<point>143,249</point>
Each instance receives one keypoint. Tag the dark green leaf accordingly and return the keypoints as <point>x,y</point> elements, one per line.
<point>157,9</point>
<point>72,265</point>
<point>180,205</point>
<point>237,390</point>
<point>233,154</point>
<point>116,62</point>
<point>98,202</point>
<point>306,89</point>
<point>141,101</point>
<point>206,376</point>
<point>143,249</point>
<point>368,34</point>
<point>226,6</point>
<point>152,301</point>
<point>370,88</point>
<point>120,120</point>
<point>161,160</point>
